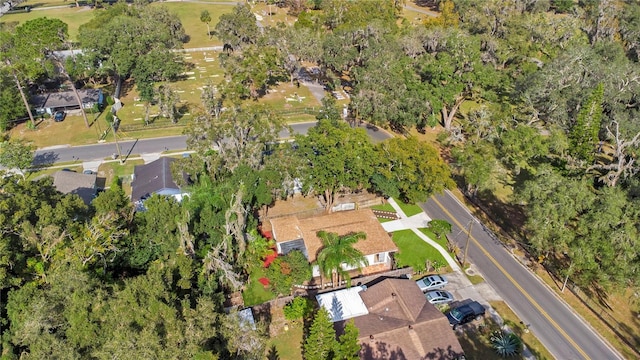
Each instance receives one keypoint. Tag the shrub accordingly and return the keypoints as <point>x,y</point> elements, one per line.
<point>287,270</point>
<point>298,308</point>
<point>440,227</point>
<point>506,343</point>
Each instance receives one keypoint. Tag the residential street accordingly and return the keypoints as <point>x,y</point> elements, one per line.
<point>564,334</point>
<point>155,145</point>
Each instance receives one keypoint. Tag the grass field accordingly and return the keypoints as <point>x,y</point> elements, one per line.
<point>384,207</point>
<point>414,252</point>
<point>442,241</point>
<point>255,293</point>
<point>622,315</point>
<point>74,17</point>
<point>189,15</point>
<point>288,343</point>
<point>511,319</point>
<point>204,70</point>
<point>409,209</point>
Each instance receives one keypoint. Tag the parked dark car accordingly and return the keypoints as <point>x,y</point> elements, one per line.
<point>58,116</point>
<point>465,313</point>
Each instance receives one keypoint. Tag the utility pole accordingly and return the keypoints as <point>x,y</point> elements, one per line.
<point>566,279</point>
<point>466,247</point>
<point>115,136</point>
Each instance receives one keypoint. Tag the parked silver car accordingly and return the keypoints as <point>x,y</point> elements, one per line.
<point>432,282</point>
<point>439,297</point>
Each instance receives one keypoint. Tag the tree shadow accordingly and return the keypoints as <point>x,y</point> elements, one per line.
<point>262,314</point>
<point>273,353</point>
<point>188,66</point>
<point>633,338</point>
<point>431,4</point>
<point>43,160</point>
<point>440,354</point>
<point>377,350</point>
<point>508,216</point>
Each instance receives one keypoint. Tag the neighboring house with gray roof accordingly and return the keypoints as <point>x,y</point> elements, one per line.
<point>70,182</point>
<point>66,100</point>
<point>154,178</point>
<point>395,321</point>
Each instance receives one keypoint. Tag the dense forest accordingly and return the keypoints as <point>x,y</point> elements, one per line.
<point>536,97</point>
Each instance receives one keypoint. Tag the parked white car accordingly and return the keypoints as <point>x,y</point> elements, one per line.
<point>432,282</point>
<point>439,297</point>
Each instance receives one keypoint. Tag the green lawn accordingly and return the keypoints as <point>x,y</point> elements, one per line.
<point>190,17</point>
<point>74,17</point>
<point>409,209</point>
<point>255,293</point>
<point>475,279</point>
<point>441,241</point>
<point>384,207</point>
<point>414,252</point>
<point>512,320</point>
<point>204,69</point>
<point>287,343</point>
<point>35,4</point>
<point>109,170</point>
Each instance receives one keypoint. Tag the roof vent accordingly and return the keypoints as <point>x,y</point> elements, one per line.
<point>393,294</point>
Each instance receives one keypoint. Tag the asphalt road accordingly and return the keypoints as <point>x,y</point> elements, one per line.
<point>563,333</point>
<point>67,153</point>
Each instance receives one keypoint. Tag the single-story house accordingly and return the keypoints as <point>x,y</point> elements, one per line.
<point>70,182</point>
<point>154,178</point>
<point>395,321</point>
<point>291,233</point>
<point>66,100</point>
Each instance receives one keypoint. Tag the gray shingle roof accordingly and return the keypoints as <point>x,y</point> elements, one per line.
<point>69,182</point>
<point>66,98</point>
<point>151,178</point>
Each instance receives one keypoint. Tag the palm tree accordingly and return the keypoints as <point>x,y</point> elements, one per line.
<point>339,250</point>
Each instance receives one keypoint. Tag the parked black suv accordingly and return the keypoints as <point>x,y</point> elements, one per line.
<point>464,313</point>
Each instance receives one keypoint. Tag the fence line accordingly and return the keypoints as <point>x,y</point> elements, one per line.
<point>151,126</point>
<point>161,124</point>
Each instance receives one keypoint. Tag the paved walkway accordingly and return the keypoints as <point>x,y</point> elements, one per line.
<point>413,223</point>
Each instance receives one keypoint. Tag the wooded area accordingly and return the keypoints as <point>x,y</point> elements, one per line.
<point>535,98</point>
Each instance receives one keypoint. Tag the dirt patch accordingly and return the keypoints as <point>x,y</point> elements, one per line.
<point>308,206</point>
<point>298,205</point>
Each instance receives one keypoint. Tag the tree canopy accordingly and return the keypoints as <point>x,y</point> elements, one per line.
<point>133,41</point>
<point>537,103</point>
<point>336,157</point>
